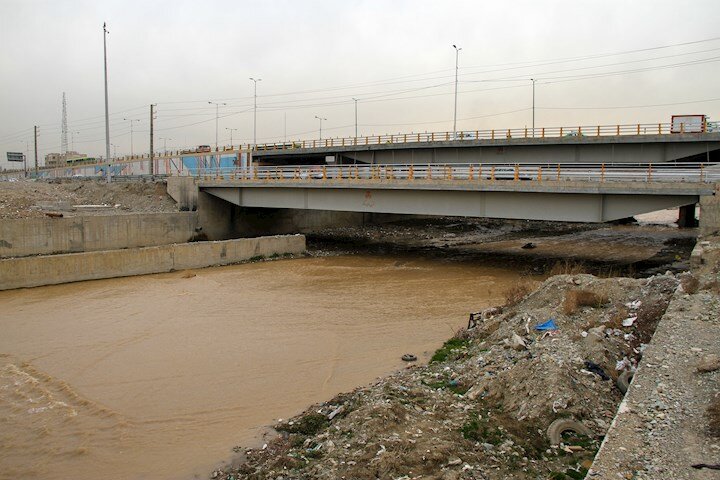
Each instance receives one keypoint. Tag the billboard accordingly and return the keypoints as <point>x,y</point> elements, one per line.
<point>15,157</point>
<point>688,124</point>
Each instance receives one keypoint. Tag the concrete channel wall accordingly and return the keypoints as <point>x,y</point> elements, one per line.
<point>45,236</point>
<point>74,267</point>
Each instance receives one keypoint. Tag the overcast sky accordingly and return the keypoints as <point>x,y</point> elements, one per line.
<point>596,62</point>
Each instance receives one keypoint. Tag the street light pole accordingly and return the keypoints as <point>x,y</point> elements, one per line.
<point>217,115</point>
<point>533,105</point>
<point>231,130</point>
<point>255,80</point>
<point>131,120</point>
<point>321,120</point>
<point>457,55</point>
<point>165,144</point>
<point>355,100</point>
<point>107,116</point>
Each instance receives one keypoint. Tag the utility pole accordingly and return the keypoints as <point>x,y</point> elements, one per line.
<point>36,159</point>
<point>356,100</point>
<point>131,120</point>
<point>321,120</point>
<point>152,152</point>
<point>217,115</point>
<point>255,80</point>
<point>457,55</point>
<point>231,130</point>
<point>107,116</point>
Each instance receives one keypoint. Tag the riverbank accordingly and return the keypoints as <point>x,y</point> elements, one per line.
<point>655,245</point>
<point>483,406</point>
<point>495,398</point>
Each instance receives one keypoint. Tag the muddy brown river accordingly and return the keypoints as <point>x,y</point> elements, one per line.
<point>158,377</point>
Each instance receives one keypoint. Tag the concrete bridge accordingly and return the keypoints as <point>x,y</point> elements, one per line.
<point>575,193</point>
<point>654,143</point>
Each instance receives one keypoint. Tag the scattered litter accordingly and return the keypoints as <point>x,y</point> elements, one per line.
<point>634,305</point>
<point>549,325</point>
<point>596,369</point>
<point>516,342</point>
<point>336,412</point>
<point>628,322</point>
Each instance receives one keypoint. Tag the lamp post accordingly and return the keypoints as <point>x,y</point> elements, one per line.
<point>231,130</point>
<point>164,144</point>
<point>217,115</point>
<point>131,120</point>
<point>321,120</point>
<point>533,105</point>
<point>457,55</point>
<point>255,80</point>
<point>107,116</point>
<point>355,100</point>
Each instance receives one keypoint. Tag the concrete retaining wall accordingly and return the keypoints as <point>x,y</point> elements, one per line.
<point>43,236</point>
<point>75,267</point>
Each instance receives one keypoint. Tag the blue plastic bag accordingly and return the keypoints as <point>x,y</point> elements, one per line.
<point>549,325</point>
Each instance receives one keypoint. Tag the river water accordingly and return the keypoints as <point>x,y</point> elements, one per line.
<point>158,377</point>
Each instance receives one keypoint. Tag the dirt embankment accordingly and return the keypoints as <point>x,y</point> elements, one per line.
<point>510,397</point>
<point>532,246</point>
<point>29,198</point>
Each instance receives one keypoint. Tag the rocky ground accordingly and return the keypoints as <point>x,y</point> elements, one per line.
<point>494,401</point>
<point>70,197</point>
<point>670,419</point>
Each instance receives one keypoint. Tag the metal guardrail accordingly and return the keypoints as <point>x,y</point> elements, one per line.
<point>685,172</point>
<point>492,134</point>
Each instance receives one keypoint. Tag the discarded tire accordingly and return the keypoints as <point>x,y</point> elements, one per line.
<point>623,381</point>
<point>556,428</point>
<point>409,357</point>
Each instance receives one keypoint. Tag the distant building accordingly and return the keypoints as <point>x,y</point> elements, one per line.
<point>60,160</point>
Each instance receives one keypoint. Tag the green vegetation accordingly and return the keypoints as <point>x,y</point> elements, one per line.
<point>479,430</point>
<point>307,425</point>
<point>569,474</point>
<point>444,352</point>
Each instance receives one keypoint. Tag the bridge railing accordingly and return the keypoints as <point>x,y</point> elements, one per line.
<point>569,133</point>
<point>473,172</point>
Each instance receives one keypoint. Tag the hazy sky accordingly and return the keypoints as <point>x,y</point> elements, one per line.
<point>395,57</point>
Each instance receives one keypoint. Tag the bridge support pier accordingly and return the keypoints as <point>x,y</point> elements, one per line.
<point>686,217</point>
<point>710,214</point>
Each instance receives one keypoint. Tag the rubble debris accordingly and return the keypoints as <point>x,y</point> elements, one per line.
<point>478,400</point>
<point>596,369</point>
<point>708,363</point>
